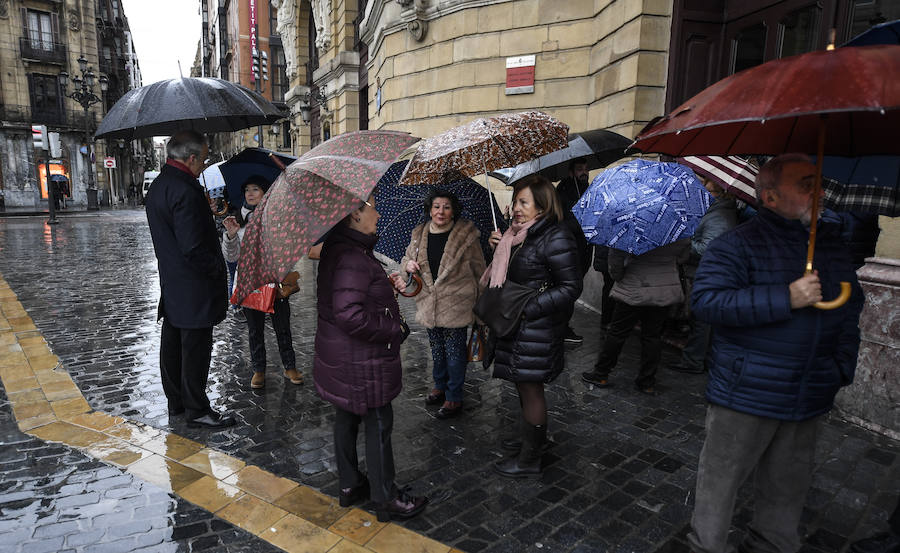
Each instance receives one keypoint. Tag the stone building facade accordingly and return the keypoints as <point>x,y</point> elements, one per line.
<point>38,40</point>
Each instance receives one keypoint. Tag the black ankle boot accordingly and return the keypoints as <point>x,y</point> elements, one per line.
<point>514,444</point>
<point>527,464</point>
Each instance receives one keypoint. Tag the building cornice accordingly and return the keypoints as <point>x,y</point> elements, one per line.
<point>339,74</point>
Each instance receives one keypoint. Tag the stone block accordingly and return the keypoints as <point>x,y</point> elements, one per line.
<point>575,34</point>
<point>522,41</point>
<point>496,17</point>
<point>393,43</point>
<point>525,13</point>
<point>452,26</point>
<point>649,102</point>
<point>568,92</point>
<point>606,82</point>
<point>420,107</point>
<point>652,69</point>
<point>489,71</point>
<point>469,100</point>
<point>411,62</point>
<point>609,19</point>
<point>552,12</point>
<point>440,104</point>
<point>601,53</point>
<point>626,39</point>
<point>655,33</point>
<point>889,240</point>
<point>441,54</point>
<point>478,47</point>
<point>402,109</point>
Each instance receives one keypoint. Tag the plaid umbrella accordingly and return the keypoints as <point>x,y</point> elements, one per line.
<point>867,184</point>
<point>732,173</point>
<point>312,195</point>
<point>402,208</point>
<point>485,145</point>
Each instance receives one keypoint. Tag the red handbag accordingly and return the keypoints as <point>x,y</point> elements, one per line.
<point>261,299</point>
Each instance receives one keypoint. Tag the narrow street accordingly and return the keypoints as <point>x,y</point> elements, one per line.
<point>621,470</point>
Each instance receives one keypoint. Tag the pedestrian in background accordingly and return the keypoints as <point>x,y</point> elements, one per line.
<point>357,362</point>
<point>254,188</point>
<point>446,252</point>
<point>570,190</point>
<point>646,286</point>
<point>721,217</point>
<point>191,278</point>
<point>775,363</point>
<point>537,251</point>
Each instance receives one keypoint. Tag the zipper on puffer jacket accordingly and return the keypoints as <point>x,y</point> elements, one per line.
<point>387,311</point>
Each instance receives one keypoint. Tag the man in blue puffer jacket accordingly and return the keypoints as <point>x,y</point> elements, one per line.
<point>776,362</point>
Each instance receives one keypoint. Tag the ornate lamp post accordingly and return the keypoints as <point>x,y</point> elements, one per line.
<point>84,95</point>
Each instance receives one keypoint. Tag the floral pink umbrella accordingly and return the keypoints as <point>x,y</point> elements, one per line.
<point>312,195</point>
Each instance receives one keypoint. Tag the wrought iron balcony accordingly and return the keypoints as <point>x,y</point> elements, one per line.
<point>42,50</point>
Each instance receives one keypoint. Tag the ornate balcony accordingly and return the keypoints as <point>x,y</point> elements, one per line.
<point>42,50</point>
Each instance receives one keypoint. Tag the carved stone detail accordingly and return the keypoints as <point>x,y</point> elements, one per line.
<point>321,11</point>
<point>417,28</point>
<point>4,9</point>
<point>74,20</point>
<point>287,29</point>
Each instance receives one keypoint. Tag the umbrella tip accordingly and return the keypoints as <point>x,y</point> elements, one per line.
<point>831,36</point>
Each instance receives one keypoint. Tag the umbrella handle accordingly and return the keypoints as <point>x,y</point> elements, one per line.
<point>413,277</point>
<point>838,301</point>
<point>277,161</point>
<point>221,212</point>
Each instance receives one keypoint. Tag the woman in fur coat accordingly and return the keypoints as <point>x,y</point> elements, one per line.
<point>446,253</point>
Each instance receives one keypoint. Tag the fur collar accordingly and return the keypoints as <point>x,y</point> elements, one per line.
<point>461,236</point>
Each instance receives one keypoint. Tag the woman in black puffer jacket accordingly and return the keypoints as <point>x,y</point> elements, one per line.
<point>538,252</point>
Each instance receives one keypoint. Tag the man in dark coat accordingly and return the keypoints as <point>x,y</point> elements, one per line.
<point>570,190</point>
<point>191,276</point>
<point>775,361</point>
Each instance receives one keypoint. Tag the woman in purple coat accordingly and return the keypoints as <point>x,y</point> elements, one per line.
<point>357,362</point>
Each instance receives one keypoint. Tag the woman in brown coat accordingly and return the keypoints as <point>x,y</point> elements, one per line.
<point>446,252</point>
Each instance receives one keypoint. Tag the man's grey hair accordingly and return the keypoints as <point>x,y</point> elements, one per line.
<point>769,175</point>
<point>185,144</point>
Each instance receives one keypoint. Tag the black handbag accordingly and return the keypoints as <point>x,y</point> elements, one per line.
<point>501,308</point>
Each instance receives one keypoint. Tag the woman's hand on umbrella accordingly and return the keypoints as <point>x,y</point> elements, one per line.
<point>412,266</point>
<point>806,290</point>
<point>231,226</point>
<point>398,282</point>
<point>494,239</point>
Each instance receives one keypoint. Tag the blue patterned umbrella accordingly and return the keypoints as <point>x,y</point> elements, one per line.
<point>641,205</point>
<point>402,208</point>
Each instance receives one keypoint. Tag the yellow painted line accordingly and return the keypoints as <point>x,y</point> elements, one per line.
<point>48,405</point>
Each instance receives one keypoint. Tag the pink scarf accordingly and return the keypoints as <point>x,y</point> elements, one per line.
<point>514,235</point>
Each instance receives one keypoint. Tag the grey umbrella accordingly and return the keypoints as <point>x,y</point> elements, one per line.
<point>202,104</point>
<point>598,147</point>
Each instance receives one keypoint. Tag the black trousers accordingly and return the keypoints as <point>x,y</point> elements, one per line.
<point>379,452</point>
<point>607,304</point>
<point>281,322</point>
<point>894,521</point>
<point>624,318</point>
<point>184,356</point>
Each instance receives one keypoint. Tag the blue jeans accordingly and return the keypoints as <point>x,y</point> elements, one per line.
<point>232,268</point>
<point>448,351</point>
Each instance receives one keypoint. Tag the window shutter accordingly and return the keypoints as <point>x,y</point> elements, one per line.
<point>24,22</point>
<point>54,26</point>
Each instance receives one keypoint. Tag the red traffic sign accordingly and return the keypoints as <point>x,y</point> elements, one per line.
<point>109,162</point>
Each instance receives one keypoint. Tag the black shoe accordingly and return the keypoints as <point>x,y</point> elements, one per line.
<point>175,410</point>
<point>571,337</point>
<point>597,380</point>
<point>403,506</point>
<point>211,420</point>
<point>349,496</point>
<point>449,412</point>
<point>527,464</point>
<point>685,369</point>
<point>435,397</point>
<point>886,542</point>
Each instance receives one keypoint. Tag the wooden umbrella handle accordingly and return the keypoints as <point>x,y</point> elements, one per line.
<point>838,301</point>
<point>277,161</point>
<point>413,277</point>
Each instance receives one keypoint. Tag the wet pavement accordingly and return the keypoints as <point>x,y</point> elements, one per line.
<point>620,475</point>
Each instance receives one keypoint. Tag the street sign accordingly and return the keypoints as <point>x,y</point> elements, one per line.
<point>39,137</point>
<point>520,75</point>
<point>55,147</point>
<point>109,162</point>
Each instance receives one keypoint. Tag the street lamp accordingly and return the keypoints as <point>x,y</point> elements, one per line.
<point>306,105</point>
<point>84,95</point>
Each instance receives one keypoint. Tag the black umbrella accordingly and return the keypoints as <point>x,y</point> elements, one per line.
<point>598,147</point>
<point>201,104</point>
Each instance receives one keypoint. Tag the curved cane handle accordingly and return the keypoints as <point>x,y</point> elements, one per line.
<point>220,213</point>
<point>413,277</point>
<point>838,301</point>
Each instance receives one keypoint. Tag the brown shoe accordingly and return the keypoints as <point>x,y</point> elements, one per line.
<point>295,376</point>
<point>258,381</point>
<point>449,410</point>
<point>435,397</point>
<point>401,507</point>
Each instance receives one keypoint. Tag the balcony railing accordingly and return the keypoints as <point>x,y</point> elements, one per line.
<point>42,50</point>
<point>66,119</point>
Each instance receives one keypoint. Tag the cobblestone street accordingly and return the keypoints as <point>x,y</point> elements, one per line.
<point>620,474</point>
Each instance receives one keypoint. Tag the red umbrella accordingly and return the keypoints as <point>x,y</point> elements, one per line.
<point>312,195</point>
<point>838,102</point>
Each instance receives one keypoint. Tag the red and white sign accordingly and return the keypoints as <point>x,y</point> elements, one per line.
<point>252,36</point>
<point>520,75</point>
<point>109,162</point>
